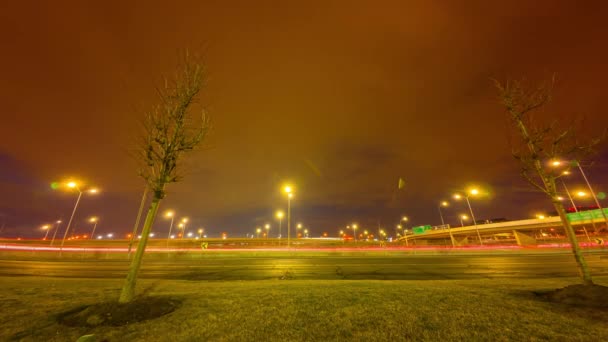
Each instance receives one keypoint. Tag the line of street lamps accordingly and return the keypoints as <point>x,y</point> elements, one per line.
<point>289,192</point>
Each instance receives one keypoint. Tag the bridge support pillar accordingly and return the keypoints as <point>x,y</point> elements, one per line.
<point>523,239</point>
<point>461,242</point>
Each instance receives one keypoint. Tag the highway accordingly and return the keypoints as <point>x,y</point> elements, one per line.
<point>486,229</point>
<point>392,266</point>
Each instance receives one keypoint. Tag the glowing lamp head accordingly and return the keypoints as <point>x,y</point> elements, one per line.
<point>299,226</point>
<point>169,214</point>
<point>280,214</point>
<point>93,219</point>
<point>457,196</point>
<point>267,226</point>
<point>45,227</point>
<point>93,191</point>
<point>288,189</point>
<point>444,204</point>
<point>540,216</point>
<point>474,191</point>
<point>464,217</point>
<point>185,220</point>
<point>556,163</point>
<point>71,185</point>
<point>581,194</point>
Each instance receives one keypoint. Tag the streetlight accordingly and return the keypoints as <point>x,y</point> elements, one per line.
<point>305,232</point>
<point>442,204</point>
<point>579,194</point>
<point>200,232</point>
<point>183,226</point>
<point>580,168</point>
<point>74,185</point>
<point>170,214</point>
<point>258,230</point>
<point>45,227</point>
<point>280,215</point>
<point>397,229</point>
<point>299,227</point>
<point>463,217</point>
<point>57,223</point>
<point>473,192</point>
<point>267,227</point>
<point>93,220</point>
<point>355,231</point>
<point>289,191</point>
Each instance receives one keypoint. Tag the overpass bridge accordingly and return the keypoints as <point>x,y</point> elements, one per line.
<point>525,232</point>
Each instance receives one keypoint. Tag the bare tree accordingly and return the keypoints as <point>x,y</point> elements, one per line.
<point>170,131</point>
<point>541,144</point>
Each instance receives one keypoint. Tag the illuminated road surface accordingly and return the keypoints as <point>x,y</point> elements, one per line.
<point>396,266</point>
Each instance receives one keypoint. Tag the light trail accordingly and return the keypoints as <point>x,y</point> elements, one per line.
<point>32,248</point>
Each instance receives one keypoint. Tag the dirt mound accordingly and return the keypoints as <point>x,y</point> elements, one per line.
<point>579,295</point>
<point>116,314</point>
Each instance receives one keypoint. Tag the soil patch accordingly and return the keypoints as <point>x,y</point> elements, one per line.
<point>117,314</point>
<point>579,295</point>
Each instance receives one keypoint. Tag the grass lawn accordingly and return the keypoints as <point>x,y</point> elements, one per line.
<point>318,310</point>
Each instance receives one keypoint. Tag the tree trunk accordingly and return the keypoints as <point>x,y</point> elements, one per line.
<point>128,290</point>
<point>578,256</point>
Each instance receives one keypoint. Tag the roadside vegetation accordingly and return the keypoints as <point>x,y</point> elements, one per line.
<point>298,310</point>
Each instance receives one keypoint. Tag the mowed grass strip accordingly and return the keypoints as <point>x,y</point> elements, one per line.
<point>319,310</point>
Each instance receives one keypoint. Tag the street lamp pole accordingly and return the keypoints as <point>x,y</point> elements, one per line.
<point>47,228</point>
<point>280,217</point>
<point>172,215</point>
<point>183,226</point>
<point>466,197</point>
<point>55,232</point>
<point>442,204</point>
<point>592,192</point>
<point>170,229</point>
<point>289,196</point>
<point>73,185</point>
<point>473,218</point>
<point>67,229</point>
<point>569,196</point>
<point>94,220</point>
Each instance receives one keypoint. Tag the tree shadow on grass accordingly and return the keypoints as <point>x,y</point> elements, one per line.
<point>118,314</point>
<point>588,301</point>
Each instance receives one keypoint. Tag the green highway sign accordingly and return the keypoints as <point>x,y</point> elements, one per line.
<point>587,215</point>
<point>421,229</point>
